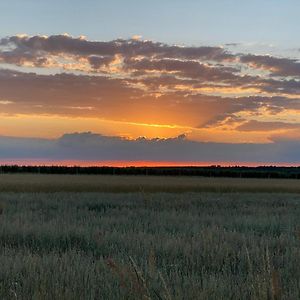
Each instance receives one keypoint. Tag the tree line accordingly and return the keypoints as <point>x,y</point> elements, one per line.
<point>210,171</point>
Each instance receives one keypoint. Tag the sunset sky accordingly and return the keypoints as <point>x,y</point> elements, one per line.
<point>150,82</point>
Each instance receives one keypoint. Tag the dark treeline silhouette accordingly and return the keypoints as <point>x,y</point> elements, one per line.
<point>211,171</point>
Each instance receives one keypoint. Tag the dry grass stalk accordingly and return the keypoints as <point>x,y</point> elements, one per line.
<point>152,262</point>
<point>168,294</point>
<point>276,287</point>
<point>131,280</point>
<point>116,270</point>
<point>141,280</point>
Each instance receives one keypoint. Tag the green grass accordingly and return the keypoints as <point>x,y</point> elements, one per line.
<point>149,245</point>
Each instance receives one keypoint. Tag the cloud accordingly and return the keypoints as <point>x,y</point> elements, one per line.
<point>95,147</point>
<point>104,97</point>
<point>187,69</point>
<point>276,66</point>
<point>122,99</point>
<point>142,81</point>
<point>144,58</point>
<point>254,125</point>
<point>24,47</point>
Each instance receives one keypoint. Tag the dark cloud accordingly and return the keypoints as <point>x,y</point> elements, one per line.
<point>94,147</point>
<point>291,87</point>
<point>254,125</point>
<point>97,61</point>
<point>20,58</point>
<point>276,66</point>
<point>253,105</point>
<point>141,58</point>
<point>188,69</point>
<point>64,44</point>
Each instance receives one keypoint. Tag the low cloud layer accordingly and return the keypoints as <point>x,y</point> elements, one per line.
<point>94,147</point>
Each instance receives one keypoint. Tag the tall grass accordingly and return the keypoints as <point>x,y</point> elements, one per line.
<point>149,246</point>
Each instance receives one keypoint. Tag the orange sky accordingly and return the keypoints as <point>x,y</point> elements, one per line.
<point>55,126</point>
<point>114,163</point>
<point>53,85</point>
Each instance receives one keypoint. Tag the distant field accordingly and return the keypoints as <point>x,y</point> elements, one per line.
<point>147,245</point>
<point>122,183</point>
<point>143,237</point>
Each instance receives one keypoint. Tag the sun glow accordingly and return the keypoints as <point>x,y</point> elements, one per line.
<point>55,126</point>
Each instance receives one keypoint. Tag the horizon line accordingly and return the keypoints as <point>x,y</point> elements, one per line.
<point>139,164</point>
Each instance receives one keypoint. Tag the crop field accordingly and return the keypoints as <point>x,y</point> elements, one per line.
<point>152,184</point>
<point>106,237</point>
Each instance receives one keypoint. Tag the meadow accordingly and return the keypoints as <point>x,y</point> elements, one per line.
<point>122,237</point>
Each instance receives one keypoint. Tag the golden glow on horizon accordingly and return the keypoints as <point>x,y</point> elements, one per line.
<point>81,163</point>
<point>55,126</point>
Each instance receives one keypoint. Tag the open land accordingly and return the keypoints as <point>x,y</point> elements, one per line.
<point>143,237</point>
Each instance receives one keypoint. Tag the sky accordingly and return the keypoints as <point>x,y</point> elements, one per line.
<point>150,82</point>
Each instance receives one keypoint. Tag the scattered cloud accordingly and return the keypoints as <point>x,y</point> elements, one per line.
<point>149,82</point>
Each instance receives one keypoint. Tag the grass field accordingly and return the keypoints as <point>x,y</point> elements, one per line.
<point>140,245</point>
<point>126,184</point>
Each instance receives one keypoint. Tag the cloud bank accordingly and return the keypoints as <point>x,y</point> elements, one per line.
<point>95,147</point>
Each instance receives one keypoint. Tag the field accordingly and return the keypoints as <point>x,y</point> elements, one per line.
<point>152,184</point>
<point>105,237</point>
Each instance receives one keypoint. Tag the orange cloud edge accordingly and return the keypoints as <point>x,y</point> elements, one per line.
<point>81,163</point>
